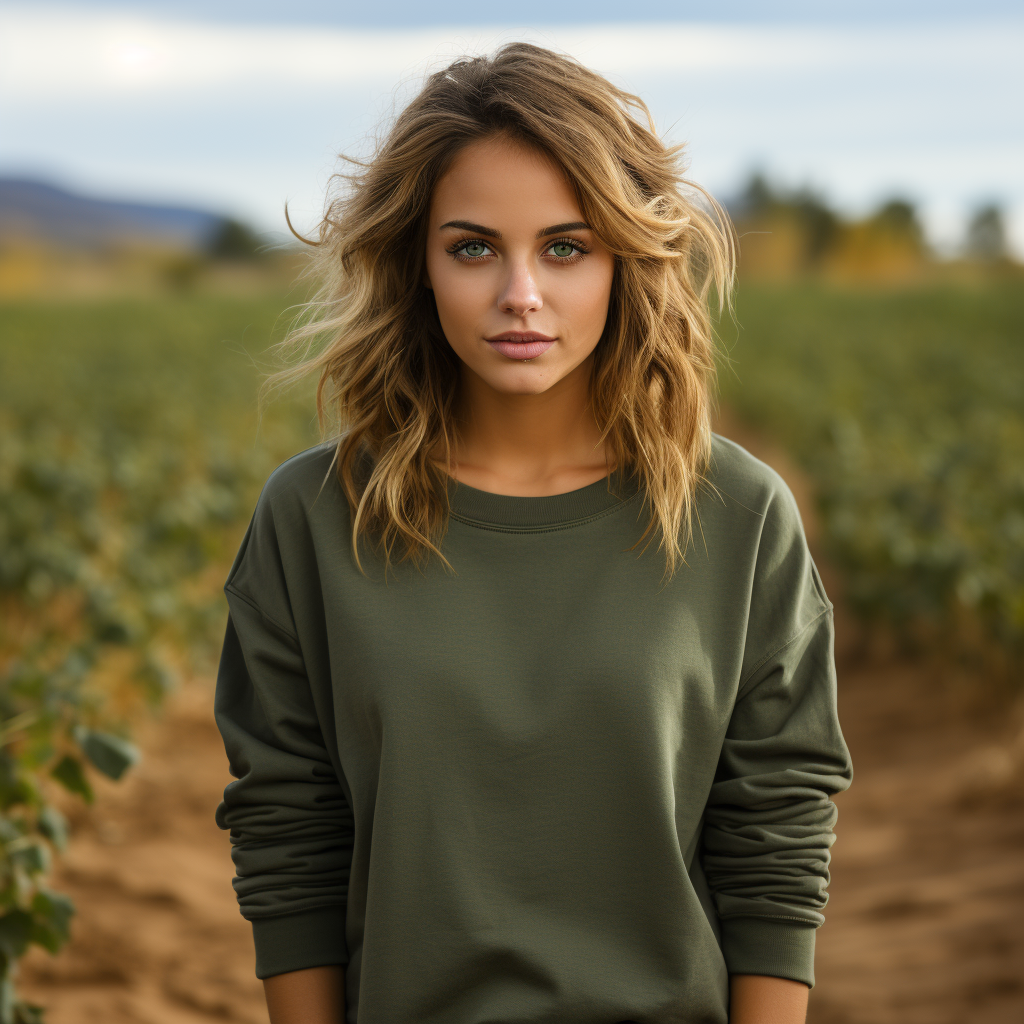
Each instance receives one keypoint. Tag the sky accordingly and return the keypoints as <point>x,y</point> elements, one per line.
<point>241,106</point>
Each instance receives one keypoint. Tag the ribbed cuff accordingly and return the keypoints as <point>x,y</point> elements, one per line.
<point>769,945</point>
<point>310,938</point>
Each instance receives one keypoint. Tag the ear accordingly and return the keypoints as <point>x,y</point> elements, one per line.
<point>426,279</point>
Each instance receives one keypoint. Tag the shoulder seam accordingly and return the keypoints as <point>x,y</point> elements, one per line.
<point>819,586</point>
<point>778,650</point>
<point>232,589</point>
<point>732,497</point>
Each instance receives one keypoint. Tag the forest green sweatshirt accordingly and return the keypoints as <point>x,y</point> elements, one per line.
<point>551,785</point>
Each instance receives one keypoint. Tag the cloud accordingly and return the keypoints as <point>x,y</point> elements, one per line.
<point>47,52</point>
<point>241,116</point>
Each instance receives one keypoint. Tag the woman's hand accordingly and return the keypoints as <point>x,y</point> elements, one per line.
<point>313,996</point>
<point>758,999</point>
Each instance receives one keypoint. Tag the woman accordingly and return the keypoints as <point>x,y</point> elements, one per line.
<point>528,682</point>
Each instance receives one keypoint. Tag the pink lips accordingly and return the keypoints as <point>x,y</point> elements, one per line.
<point>521,344</point>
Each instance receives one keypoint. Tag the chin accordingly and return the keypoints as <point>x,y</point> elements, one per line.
<point>522,380</point>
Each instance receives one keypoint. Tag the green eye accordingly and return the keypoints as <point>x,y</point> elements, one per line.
<point>563,250</point>
<point>474,249</point>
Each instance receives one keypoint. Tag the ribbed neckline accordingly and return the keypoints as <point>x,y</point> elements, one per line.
<point>552,511</point>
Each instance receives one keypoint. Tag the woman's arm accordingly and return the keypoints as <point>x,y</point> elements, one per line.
<point>290,823</point>
<point>315,995</point>
<point>758,999</point>
<point>769,817</point>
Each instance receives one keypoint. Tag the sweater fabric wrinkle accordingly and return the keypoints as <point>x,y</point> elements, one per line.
<point>747,680</point>
<point>231,588</point>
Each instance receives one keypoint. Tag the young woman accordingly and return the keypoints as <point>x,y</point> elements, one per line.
<point>528,683</point>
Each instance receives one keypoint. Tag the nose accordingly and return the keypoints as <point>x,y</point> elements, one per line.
<point>521,294</point>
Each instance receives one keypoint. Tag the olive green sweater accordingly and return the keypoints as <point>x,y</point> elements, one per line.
<point>550,785</point>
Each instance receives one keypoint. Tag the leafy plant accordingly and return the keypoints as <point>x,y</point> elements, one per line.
<point>127,468</point>
<point>907,409</point>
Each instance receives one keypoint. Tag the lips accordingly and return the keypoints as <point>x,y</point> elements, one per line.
<point>521,344</point>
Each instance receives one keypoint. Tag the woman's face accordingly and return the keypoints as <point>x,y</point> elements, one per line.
<point>521,282</point>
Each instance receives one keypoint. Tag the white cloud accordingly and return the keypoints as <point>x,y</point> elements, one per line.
<point>241,117</point>
<point>47,52</point>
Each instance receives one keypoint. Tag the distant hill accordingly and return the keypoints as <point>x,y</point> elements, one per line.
<point>35,209</point>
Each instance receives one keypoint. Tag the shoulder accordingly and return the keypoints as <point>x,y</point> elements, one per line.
<point>748,487</point>
<point>751,513</point>
<point>298,495</point>
<point>300,478</point>
<point>302,491</point>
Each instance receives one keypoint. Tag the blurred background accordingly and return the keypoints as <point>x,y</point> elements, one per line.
<point>872,157</point>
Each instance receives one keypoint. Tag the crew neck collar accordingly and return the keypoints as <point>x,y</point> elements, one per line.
<point>550,512</point>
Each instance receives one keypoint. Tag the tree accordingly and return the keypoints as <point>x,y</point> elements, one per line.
<point>986,234</point>
<point>758,198</point>
<point>820,225</point>
<point>898,218</point>
<point>805,210</point>
<point>233,240</point>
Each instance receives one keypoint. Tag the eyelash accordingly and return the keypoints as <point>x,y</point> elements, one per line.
<point>455,250</point>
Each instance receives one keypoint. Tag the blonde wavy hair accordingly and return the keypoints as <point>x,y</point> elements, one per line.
<point>388,379</point>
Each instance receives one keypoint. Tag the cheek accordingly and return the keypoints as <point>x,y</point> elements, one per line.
<point>588,295</point>
<point>460,297</point>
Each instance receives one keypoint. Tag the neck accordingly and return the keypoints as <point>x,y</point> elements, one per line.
<point>529,444</point>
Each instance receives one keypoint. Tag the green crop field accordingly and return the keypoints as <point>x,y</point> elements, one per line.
<point>131,455</point>
<point>130,459</point>
<point>907,409</point>
<point>130,450</point>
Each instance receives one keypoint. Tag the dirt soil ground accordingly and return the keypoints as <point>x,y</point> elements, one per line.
<point>925,924</point>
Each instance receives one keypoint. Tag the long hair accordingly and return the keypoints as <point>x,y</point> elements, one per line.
<point>388,378</point>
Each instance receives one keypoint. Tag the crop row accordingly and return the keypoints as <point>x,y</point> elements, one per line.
<point>128,465</point>
<point>907,410</point>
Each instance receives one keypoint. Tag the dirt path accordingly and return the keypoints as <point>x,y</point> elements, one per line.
<point>158,938</point>
<point>925,923</point>
<point>926,920</point>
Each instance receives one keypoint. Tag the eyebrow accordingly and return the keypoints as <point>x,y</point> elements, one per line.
<point>468,225</point>
<point>555,229</point>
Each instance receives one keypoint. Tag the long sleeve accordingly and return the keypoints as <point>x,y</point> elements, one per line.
<point>290,825</point>
<point>769,817</point>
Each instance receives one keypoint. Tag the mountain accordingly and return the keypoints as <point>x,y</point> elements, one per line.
<point>35,209</point>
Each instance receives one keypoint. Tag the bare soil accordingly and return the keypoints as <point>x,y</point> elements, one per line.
<point>925,924</point>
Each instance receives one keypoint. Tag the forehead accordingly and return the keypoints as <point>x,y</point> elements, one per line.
<point>498,179</point>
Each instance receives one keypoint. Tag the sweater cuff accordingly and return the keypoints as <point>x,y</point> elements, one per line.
<point>293,942</point>
<point>774,946</point>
